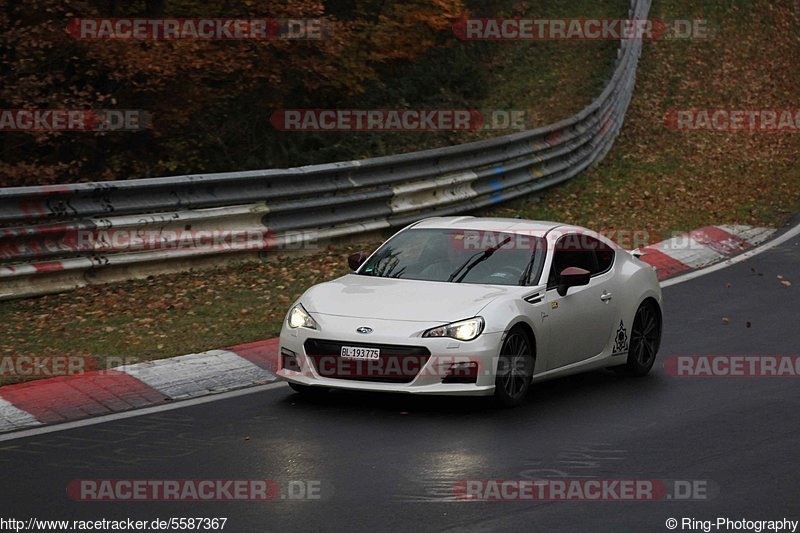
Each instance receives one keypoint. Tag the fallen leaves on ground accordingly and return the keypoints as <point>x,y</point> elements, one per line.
<point>659,180</point>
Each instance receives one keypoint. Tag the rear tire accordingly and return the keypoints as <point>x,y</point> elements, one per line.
<point>645,340</point>
<point>514,369</point>
<point>308,391</point>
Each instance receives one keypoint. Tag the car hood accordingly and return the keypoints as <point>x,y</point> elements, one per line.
<point>396,299</point>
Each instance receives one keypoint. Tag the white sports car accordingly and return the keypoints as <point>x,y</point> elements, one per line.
<point>474,306</point>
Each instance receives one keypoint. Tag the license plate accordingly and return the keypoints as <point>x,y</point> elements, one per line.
<point>354,352</point>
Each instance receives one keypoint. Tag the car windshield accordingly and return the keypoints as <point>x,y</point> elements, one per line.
<point>459,256</point>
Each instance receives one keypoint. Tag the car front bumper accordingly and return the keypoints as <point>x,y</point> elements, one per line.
<point>444,353</point>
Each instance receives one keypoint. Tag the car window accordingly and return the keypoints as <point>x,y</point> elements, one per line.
<point>605,258</point>
<point>582,251</point>
<point>458,256</point>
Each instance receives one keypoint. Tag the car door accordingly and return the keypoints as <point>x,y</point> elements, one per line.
<point>581,323</point>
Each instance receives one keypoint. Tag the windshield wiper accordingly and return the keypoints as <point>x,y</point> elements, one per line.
<point>475,259</point>
<point>523,280</point>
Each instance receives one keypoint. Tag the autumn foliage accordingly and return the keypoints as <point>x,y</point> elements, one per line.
<point>210,100</point>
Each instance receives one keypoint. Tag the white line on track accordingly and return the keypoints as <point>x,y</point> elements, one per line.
<point>138,412</point>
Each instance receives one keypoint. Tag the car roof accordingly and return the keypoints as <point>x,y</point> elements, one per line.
<point>509,225</point>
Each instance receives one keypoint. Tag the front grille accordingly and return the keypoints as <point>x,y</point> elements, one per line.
<point>397,363</point>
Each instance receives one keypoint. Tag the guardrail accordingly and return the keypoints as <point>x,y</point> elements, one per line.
<point>43,246</point>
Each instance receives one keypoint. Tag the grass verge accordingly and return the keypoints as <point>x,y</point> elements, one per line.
<point>660,180</point>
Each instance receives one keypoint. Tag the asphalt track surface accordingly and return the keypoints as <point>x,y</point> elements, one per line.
<point>388,462</point>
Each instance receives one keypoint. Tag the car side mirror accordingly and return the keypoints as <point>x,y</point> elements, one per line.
<point>572,277</point>
<point>356,260</point>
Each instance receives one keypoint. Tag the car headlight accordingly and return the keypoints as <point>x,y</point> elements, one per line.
<point>299,318</point>
<point>463,330</point>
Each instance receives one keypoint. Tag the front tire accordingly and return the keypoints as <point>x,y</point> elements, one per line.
<point>645,340</point>
<point>514,369</point>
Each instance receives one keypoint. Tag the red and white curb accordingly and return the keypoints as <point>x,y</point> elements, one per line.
<point>701,248</point>
<point>68,398</point>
